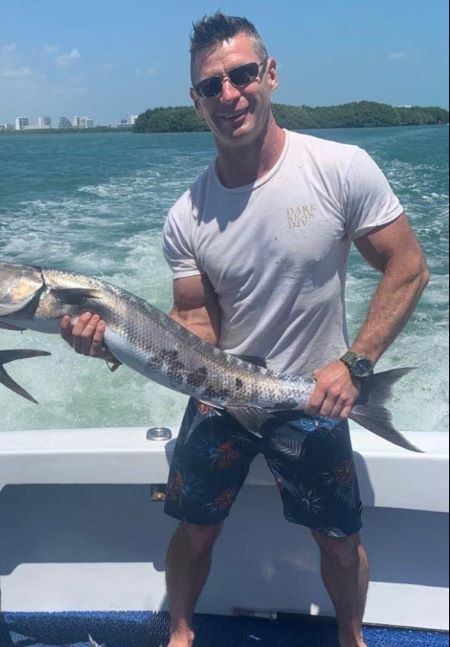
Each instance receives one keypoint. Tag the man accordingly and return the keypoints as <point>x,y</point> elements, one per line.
<point>258,247</point>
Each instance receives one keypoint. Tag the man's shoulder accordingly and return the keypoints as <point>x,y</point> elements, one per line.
<point>187,200</point>
<point>185,203</point>
<point>321,148</point>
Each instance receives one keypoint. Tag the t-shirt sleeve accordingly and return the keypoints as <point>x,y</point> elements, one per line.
<point>177,246</point>
<point>369,200</point>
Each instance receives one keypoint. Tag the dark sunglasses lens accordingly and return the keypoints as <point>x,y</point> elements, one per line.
<point>209,87</point>
<point>244,74</point>
<point>240,76</point>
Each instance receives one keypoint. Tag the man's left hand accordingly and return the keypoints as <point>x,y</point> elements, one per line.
<point>336,391</point>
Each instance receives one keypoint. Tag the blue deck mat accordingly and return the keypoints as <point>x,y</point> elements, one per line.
<point>151,630</point>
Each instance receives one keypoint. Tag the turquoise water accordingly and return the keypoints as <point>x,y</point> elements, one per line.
<point>96,204</point>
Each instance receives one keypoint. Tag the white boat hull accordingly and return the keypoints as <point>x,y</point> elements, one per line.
<point>79,531</point>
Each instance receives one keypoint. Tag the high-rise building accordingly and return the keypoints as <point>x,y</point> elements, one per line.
<point>82,122</point>
<point>64,123</point>
<point>44,122</point>
<point>128,121</point>
<point>22,123</point>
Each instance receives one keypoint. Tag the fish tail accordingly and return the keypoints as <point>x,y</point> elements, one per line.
<point>370,410</point>
<point>11,355</point>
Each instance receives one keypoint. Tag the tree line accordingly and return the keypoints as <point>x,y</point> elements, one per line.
<point>361,114</point>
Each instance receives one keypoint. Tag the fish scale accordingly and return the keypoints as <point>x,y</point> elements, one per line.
<point>153,344</point>
<point>170,354</point>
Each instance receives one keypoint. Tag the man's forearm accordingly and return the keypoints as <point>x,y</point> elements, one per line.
<point>390,309</point>
<point>197,324</point>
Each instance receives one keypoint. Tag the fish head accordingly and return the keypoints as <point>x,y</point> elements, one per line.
<point>35,298</point>
<point>28,302</point>
<point>19,286</point>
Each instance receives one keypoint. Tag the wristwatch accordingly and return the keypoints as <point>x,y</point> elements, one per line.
<point>358,365</point>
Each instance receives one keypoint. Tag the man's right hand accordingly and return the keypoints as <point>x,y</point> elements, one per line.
<point>86,336</point>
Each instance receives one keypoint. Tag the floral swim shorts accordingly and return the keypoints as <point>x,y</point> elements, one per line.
<point>310,457</point>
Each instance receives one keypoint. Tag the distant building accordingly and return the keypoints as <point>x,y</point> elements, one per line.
<point>128,121</point>
<point>82,122</point>
<point>64,123</point>
<point>44,122</point>
<point>22,123</point>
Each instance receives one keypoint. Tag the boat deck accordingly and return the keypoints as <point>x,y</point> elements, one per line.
<point>142,629</point>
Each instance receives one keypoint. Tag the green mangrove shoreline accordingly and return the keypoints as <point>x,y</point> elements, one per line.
<point>362,114</point>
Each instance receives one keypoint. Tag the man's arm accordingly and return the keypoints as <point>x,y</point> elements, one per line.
<point>393,250</point>
<point>195,307</point>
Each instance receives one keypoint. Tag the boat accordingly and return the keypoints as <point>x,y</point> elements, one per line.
<point>83,539</point>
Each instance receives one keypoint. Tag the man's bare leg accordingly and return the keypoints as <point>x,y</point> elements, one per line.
<point>187,568</point>
<point>345,572</point>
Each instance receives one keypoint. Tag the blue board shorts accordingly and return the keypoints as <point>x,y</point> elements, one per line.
<point>310,457</point>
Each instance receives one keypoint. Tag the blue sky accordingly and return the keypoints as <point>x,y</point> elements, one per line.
<point>108,59</point>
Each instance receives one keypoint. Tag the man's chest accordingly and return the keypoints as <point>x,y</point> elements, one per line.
<point>284,231</point>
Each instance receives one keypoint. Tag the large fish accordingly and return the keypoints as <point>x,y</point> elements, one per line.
<point>153,344</point>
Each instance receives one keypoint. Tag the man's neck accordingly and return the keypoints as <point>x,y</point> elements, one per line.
<point>241,165</point>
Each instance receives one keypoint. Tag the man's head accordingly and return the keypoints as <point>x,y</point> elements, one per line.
<point>232,77</point>
<point>211,31</point>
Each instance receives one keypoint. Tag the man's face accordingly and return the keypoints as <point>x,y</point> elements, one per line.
<point>238,114</point>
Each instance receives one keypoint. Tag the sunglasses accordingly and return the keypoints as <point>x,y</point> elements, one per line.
<point>239,76</point>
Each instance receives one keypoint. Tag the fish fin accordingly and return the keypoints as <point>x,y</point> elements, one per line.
<point>11,308</point>
<point>251,418</point>
<point>370,411</point>
<point>9,356</point>
<point>75,296</point>
<point>252,359</point>
<point>7,326</point>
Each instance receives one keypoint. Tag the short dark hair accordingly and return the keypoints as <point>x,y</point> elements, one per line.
<point>211,31</point>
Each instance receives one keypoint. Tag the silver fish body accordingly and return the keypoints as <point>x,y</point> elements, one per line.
<point>154,345</point>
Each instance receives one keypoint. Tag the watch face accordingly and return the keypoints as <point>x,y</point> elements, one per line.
<point>362,367</point>
<point>357,365</point>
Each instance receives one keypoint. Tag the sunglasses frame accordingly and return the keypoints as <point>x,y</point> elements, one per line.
<point>220,79</point>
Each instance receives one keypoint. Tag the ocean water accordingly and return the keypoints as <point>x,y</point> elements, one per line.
<point>95,203</point>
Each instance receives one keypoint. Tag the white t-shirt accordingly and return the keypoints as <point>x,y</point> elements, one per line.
<point>276,250</point>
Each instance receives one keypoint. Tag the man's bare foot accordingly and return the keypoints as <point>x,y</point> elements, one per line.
<point>352,642</point>
<point>181,639</point>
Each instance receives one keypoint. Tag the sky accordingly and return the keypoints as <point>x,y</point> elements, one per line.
<point>107,59</point>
